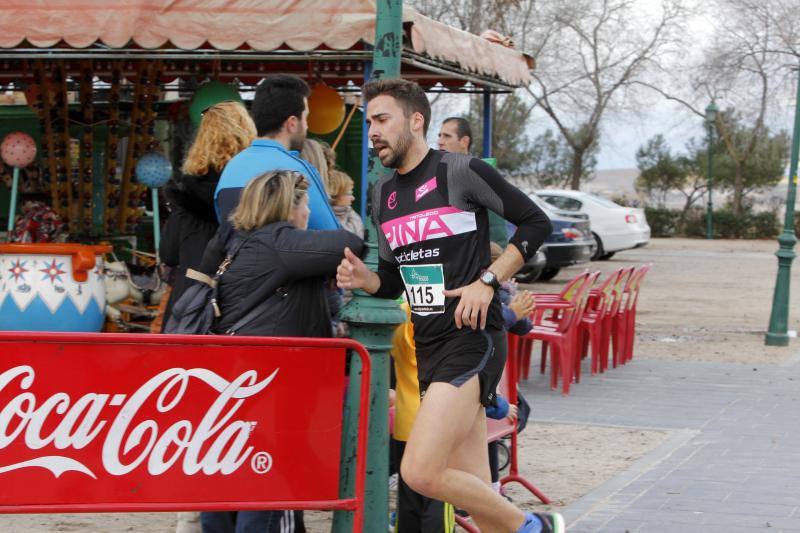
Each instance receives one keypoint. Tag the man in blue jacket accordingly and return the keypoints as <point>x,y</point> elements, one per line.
<point>280,112</point>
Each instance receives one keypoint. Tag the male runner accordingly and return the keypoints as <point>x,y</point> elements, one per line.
<point>434,244</point>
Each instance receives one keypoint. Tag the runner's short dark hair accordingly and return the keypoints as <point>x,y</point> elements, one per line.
<point>278,97</point>
<point>462,129</point>
<point>410,95</point>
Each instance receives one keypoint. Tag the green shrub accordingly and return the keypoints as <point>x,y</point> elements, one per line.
<point>764,225</point>
<point>693,223</point>
<point>728,225</point>
<point>725,224</point>
<point>663,222</point>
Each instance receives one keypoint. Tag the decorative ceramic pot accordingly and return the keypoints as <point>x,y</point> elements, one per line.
<point>52,287</point>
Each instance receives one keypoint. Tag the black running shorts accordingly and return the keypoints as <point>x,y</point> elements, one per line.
<point>456,359</point>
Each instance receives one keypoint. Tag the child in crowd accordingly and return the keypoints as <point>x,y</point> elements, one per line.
<point>341,193</point>
<point>517,308</point>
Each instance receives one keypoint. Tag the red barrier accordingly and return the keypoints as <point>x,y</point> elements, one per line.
<point>129,423</point>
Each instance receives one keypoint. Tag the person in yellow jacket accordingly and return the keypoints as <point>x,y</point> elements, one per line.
<point>415,512</point>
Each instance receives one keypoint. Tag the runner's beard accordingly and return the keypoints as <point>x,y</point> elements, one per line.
<point>397,153</point>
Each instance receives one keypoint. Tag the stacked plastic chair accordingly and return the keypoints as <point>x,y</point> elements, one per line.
<point>604,302</point>
<point>556,322</point>
<point>566,294</point>
<point>623,327</point>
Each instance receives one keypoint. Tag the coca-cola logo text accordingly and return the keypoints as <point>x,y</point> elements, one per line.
<point>129,442</point>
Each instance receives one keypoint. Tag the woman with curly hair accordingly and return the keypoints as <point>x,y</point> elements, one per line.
<point>225,130</point>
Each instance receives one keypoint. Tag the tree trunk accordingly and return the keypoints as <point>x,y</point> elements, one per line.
<point>577,169</point>
<point>738,191</point>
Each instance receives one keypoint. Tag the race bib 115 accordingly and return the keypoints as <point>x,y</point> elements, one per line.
<point>424,288</point>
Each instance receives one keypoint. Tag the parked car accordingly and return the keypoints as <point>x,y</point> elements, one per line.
<point>615,227</point>
<point>570,243</point>
<point>533,268</point>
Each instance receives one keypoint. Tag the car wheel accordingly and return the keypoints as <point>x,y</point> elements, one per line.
<point>607,256</point>
<point>548,274</point>
<point>525,276</point>
<point>598,251</point>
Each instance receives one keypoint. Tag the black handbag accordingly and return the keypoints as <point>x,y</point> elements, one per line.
<point>196,310</point>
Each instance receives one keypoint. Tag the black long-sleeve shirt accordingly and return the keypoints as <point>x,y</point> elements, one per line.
<point>433,234</point>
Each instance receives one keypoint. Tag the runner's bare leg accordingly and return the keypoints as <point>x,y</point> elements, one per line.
<point>472,457</point>
<point>446,420</point>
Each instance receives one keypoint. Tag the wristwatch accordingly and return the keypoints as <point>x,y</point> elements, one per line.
<point>488,278</point>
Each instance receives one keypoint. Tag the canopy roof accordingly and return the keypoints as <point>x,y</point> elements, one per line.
<point>248,29</point>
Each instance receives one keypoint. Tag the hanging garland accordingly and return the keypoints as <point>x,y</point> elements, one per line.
<point>85,185</point>
<point>44,109</point>
<point>62,153</point>
<point>113,182</point>
<point>136,127</point>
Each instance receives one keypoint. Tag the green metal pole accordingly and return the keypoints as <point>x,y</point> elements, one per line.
<point>372,321</point>
<point>709,214</point>
<point>777,335</point>
<point>12,208</point>
<point>156,221</point>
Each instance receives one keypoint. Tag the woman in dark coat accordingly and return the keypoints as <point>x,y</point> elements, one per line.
<point>225,130</point>
<point>281,263</point>
<point>279,269</point>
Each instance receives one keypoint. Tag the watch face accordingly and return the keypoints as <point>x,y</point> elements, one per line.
<point>487,277</point>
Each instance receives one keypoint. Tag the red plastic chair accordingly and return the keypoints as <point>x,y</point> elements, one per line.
<point>560,330</point>
<point>610,323</point>
<point>593,320</point>
<point>541,298</point>
<point>627,317</point>
<point>508,388</point>
<point>603,303</point>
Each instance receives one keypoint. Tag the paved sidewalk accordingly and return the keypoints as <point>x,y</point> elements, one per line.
<point>731,463</point>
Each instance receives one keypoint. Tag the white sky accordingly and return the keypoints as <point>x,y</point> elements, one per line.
<point>623,134</point>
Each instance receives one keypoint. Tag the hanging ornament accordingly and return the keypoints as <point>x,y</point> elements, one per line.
<point>325,109</point>
<point>153,170</point>
<point>209,94</point>
<point>18,149</point>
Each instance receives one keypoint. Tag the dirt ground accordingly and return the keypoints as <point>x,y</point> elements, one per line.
<point>702,301</point>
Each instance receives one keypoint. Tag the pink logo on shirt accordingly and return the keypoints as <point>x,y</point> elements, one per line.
<point>425,188</point>
<point>427,225</point>
<point>391,203</point>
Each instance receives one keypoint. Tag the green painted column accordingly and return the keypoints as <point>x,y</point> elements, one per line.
<point>779,317</point>
<point>372,322</point>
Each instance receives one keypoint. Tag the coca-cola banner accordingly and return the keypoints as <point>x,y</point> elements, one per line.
<point>122,421</point>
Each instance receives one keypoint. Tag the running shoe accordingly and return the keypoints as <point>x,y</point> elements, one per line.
<point>547,523</point>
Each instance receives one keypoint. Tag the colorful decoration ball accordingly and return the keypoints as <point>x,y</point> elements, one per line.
<point>18,149</point>
<point>209,94</point>
<point>153,170</point>
<point>325,109</point>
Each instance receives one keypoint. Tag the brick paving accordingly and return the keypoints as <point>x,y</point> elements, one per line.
<point>731,462</point>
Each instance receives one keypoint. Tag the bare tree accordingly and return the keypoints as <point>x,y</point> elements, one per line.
<point>588,54</point>
<point>740,70</point>
<point>594,52</point>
